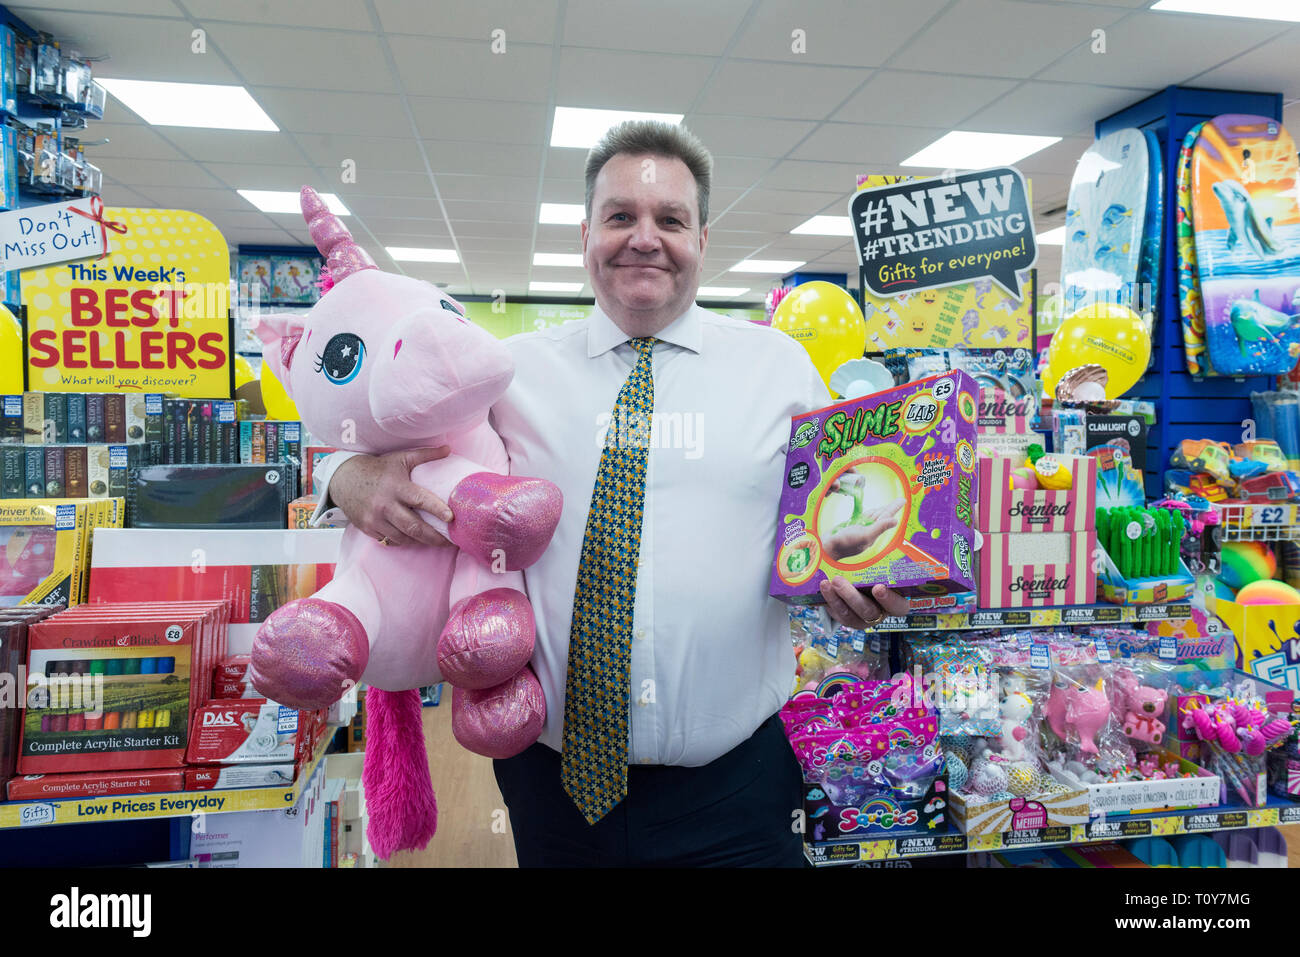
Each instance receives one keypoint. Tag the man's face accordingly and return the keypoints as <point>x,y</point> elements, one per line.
<point>644,243</point>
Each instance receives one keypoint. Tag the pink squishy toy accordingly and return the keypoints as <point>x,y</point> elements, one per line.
<point>384,363</point>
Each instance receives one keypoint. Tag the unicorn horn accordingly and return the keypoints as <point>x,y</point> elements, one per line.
<point>342,255</point>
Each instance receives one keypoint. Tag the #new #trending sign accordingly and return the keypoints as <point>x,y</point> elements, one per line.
<point>925,234</point>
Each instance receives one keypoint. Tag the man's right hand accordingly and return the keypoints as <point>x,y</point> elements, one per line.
<point>377,495</point>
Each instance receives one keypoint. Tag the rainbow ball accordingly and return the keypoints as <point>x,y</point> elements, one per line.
<point>1222,592</point>
<point>957,773</point>
<point>1268,593</point>
<point>1246,562</point>
<point>1022,779</point>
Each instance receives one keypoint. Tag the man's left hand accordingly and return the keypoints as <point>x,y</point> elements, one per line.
<point>858,610</point>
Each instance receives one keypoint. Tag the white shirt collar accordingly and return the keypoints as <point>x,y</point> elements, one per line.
<point>603,334</point>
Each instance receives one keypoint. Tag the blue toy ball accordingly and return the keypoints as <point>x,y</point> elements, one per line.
<point>957,773</point>
<point>1223,592</point>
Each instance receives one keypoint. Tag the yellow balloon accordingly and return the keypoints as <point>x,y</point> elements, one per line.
<point>825,320</point>
<point>11,354</point>
<point>1105,334</point>
<point>277,401</point>
<point>244,373</point>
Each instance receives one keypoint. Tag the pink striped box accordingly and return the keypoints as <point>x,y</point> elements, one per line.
<point>1037,570</point>
<point>1003,509</point>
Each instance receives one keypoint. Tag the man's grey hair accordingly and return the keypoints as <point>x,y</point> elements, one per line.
<point>654,137</point>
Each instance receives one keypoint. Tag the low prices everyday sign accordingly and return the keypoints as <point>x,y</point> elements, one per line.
<point>928,233</point>
<point>151,317</point>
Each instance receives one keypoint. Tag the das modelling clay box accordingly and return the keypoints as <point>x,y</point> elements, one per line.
<point>881,490</point>
<point>247,731</point>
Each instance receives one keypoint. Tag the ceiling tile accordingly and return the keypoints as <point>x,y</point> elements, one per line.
<point>1058,109</point>
<point>532,22</point>
<point>935,99</point>
<point>304,59</point>
<point>1271,66</point>
<point>1186,46</point>
<point>778,89</point>
<point>431,66</point>
<point>506,230</point>
<point>291,13</point>
<point>764,222</point>
<point>654,82</point>
<point>870,147</point>
<point>565,163</point>
<point>746,135</point>
<point>788,201</point>
<point>147,172</point>
<point>31,13</point>
<point>370,154</point>
<point>740,172</point>
<point>564,191</point>
<point>668,26</point>
<point>1004,38</point>
<point>459,209</point>
<point>830,177</point>
<point>489,189</point>
<point>512,245</point>
<point>138,48</point>
<point>388,206</point>
<point>479,120</point>
<point>265,176</point>
<point>203,201</point>
<point>128,140</point>
<point>486,159</point>
<point>115,194</point>
<point>354,114</point>
<point>233,146</point>
<point>836,32</point>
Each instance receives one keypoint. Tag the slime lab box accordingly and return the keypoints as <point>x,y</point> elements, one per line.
<point>881,490</point>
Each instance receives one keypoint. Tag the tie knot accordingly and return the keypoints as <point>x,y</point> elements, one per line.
<point>644,345</point>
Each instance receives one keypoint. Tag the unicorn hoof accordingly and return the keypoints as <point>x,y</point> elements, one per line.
<point>499,722</point>
<point>488,638</point>
<point>504,518</point>
<point>308,653</point>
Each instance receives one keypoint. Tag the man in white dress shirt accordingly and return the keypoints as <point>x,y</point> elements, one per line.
<point>710,777</point>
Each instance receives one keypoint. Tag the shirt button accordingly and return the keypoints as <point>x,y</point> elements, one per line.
<point>640,633</point>
<point>646,761</point>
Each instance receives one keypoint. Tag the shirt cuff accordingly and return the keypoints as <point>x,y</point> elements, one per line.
<point>327,513</point>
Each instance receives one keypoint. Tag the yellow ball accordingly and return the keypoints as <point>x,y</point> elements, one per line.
<point>1105,334</point>
<point>244,373</point>
<point>277,401</point>
<point>11,354</point>
<point>825,320</point>
<point>1022,779</point>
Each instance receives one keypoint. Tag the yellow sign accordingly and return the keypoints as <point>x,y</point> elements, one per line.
<point>975,315</point>
<point>151,317</point>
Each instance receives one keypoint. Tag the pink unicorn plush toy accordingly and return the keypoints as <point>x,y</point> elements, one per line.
<point>382,363</point>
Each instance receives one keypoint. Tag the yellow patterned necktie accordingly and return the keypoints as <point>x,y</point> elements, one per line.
<point>594,764</point>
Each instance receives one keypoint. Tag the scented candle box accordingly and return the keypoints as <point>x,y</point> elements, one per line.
<point>881,490</point>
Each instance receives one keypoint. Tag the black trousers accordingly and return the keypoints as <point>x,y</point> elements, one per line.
<point>737,811</point>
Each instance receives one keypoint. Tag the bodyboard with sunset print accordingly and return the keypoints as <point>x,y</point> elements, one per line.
<point>1191,313</point>
<point>1105,221</point>
<point>1246,222</point>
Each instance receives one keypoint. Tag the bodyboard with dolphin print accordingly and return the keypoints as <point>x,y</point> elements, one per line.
<point>1152,238</point>
<point>1104,222</point>
<point>1246,220</point>
<point>1189,289</point>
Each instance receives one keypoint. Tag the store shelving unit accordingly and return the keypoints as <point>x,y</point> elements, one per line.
<point>1259,522</point>
<point>1101,614</point>
<point>1166,824</point>
<point>136,807</point>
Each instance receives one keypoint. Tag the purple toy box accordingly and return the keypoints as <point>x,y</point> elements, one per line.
<point>881,489</point>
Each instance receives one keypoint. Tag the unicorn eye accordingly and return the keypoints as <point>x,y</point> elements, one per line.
<point>341,360</point>
<point>452,309</point>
